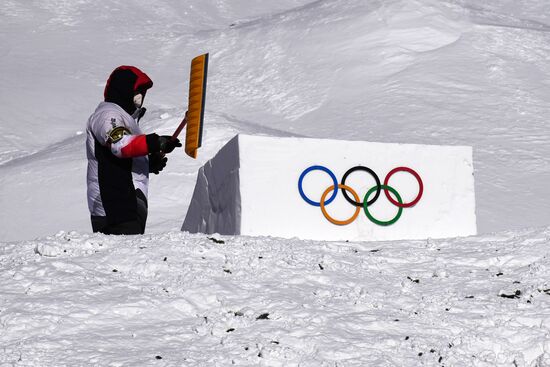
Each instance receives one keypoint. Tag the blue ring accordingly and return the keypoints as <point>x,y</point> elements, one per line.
<point>320,168</point>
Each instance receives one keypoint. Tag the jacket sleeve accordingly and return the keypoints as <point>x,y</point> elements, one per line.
<point>111,132</point>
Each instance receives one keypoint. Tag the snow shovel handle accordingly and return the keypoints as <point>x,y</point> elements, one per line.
<point>180,128</point>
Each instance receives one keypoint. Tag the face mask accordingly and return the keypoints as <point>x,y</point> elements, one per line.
<point>138,100</point>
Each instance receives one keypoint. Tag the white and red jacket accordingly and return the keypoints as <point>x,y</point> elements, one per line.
<point>117,157</point>
<point>117,149</point>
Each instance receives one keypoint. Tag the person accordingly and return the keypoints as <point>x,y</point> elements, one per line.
<point>120,156</point>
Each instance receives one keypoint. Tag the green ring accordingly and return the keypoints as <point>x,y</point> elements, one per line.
<point>373,219</point>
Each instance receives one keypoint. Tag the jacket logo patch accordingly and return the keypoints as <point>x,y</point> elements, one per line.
<point>117,134</point>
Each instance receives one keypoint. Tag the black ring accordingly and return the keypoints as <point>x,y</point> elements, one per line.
<point>371,172</point>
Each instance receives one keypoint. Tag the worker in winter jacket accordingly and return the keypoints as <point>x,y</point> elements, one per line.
<point>121,156</point>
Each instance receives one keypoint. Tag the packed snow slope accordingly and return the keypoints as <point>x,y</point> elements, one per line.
<point>415,71</point>
<point>176,299</point>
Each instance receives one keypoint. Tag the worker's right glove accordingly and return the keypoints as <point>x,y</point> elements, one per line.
<point>157,162</point>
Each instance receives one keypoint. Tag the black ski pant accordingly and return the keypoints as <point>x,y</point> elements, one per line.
<point>137,226</point>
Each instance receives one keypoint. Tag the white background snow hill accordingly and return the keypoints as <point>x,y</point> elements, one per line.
<point>418,72</point>
<point>449,72</point>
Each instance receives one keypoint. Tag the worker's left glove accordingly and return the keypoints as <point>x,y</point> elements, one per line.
<point>163,144</point>
<point>167,144</point>
<point>157,162</point>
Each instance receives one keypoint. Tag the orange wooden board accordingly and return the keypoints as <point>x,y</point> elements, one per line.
<point>195,113</point>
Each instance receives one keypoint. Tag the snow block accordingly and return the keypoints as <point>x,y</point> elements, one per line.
<point>251,187</point>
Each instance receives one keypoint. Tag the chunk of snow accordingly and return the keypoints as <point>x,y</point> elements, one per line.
<point>47,250</point>
<point>251,187</point>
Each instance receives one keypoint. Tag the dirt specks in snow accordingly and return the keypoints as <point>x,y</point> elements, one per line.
<point>515,295</point>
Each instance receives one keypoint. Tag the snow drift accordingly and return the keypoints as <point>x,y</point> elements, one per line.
<point>179,299</point>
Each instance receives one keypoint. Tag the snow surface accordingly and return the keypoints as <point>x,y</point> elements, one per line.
<point>81,299</point>
<point>251,187</point>
<point>447,72</point>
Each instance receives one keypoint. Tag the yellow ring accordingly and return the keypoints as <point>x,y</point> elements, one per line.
<point>335,221</point>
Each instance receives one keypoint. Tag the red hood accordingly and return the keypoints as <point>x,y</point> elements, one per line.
<point>123,83</point>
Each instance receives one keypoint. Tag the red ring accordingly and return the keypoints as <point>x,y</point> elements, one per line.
<point>420,187</point>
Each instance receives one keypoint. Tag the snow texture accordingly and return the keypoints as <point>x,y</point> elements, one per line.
<point>251,188</point>
<point>427,72</point>
<point>81,299</point>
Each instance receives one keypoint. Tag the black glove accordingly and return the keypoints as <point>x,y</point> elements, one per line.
<point>162,144</point>
<point>157,162</point>
<point>167,144</point>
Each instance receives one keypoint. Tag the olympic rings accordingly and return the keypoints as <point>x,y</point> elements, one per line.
<point>335,221</point>
<point>357,202</point>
